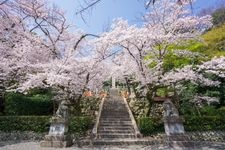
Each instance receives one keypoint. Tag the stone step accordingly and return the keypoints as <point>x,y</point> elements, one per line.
<point>115,128</point>
<point>115,122</point>
<point>113,104</point>
<point>111,114</point>
<point>115,112</point>
<point>115,131</point>
<point>115,135</point>
<point>115,119</point>
<point>108,103</point>
<point>124,142</point>
<point>119,107</point>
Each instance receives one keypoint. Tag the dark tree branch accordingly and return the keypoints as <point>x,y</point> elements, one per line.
<point>81,38</point>
<point>89,5</point>
<point>3,2</point>
<point>179,2</point>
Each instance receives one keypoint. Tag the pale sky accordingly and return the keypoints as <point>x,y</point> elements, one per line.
<point>102,14</point>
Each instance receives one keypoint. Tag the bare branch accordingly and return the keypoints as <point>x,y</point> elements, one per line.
<point>81,38</point>
<point>180,2</point>
<point>3,2</point>
<point>88,6</point>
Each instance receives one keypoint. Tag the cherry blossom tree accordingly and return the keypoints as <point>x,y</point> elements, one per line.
<point>89,4</point>
<point>38,51</point>
<point>215,67</point>
<point>19,48</point>
<point>146,47</point>
<point>70,75</point>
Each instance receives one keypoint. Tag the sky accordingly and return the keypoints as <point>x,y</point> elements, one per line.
<point>103,14</point>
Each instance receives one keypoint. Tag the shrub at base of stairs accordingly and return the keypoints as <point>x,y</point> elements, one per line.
<point>149,126</point>
<point>41,124</point>
<point>79,125</point>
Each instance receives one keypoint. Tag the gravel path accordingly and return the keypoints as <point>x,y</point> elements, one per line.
<point>36,146</point>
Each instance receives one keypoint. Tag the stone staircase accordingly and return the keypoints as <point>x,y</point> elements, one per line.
<point>115,121</point>
<point>115,125</point>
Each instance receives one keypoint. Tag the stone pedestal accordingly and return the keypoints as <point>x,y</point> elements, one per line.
<point>175,134</point>
<point>173,125</point>
<point>56,141</point>
<point>174,129</point>
<point>57,136</point>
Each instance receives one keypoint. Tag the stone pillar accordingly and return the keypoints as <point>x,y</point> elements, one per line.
<point>113,82</point>
<point>58,135</point>
<point>174,129</point>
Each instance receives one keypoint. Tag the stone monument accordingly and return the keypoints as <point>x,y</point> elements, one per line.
<point>113,82</point>
<point>58,134</point>
<point>174,129</point>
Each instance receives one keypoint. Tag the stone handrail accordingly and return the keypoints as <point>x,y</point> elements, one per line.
<point>95,129</point>
<point>136,130</point>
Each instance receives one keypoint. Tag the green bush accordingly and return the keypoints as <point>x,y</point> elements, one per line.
<point>148,126</point>
<point>80,124</point>
<point>208,111</point>
<point>41,124</point>
<point>221,111</point>
<point>204,123</point>
<point>35,104</point>
<point>89,105</point>
<point>24,123</point>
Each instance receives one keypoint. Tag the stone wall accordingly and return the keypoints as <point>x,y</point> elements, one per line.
<point>211,136</point>
<point>32,136</point>
<point>21,136</point>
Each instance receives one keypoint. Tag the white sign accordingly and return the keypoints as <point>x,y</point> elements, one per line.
<point>57,129</point>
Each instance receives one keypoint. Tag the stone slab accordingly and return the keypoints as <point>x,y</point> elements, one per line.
<point>181,145</point>
<point>56,144</point>
<point>178,137</point>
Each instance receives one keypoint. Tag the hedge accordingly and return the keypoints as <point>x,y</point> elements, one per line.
<point>41,124</point>
<point>80,124</point>
<point>149,126</point>
<point>24,123</point>
<point>19,104</point>
<point>204,123</point>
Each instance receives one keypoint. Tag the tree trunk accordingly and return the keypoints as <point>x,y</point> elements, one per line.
<point>2,103</point>
<point>150,97</point>
<point>128,86</point>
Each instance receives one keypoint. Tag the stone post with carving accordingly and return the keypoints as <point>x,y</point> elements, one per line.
<point>58,135</point>
<point>174,129</point>
<point>113,82</point>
